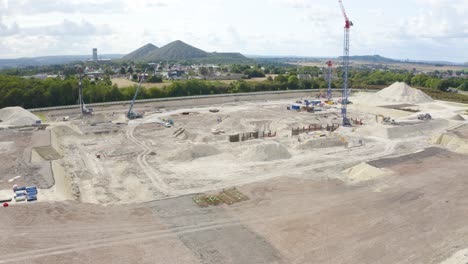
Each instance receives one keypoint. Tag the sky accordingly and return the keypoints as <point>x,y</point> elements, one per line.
<point>402,29</point>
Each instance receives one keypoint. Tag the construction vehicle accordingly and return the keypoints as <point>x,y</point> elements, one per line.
<point>345,93</point>
<point>134,115</point>
<point>385,119</point>
<point>424,117</point>
<point>84,110</point>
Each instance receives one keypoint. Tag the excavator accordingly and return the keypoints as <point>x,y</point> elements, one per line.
<point>385,119</point>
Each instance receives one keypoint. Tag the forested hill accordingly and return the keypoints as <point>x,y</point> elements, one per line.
<point>50,60</point>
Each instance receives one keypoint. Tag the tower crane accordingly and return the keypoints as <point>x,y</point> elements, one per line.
<point>131,114</point>
<point>345,95</point>
<point>329,91</point>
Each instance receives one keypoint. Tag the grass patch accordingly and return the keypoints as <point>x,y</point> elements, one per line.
<point>42,117</point>
<point>227,196</point>
<point>445,96</point>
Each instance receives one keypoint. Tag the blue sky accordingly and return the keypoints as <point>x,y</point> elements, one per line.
<point>414,29</point>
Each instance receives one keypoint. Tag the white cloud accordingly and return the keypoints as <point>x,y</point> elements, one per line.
<point>398,28</point>
<point>63,6</point>
<point>68,28</point>
<point>7,30</point>
<point>441,19</point>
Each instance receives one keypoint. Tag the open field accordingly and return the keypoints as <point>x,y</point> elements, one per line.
<point>123,83</point>
<point>394,65</point>
<point>309,190</point>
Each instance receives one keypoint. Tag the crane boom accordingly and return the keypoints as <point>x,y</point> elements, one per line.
<point>84,110</point>
<point>345,94</point>
<point>344,14</point>
<point>131,114</point>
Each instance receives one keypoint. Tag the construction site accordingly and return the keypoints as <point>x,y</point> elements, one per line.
<point>349,176</point>
<point>234,165</point>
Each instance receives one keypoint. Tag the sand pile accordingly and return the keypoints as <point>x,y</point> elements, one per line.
<point>233,124</point>
<point>399,93</point>
<point>457,117</point>
<point>460,257</point>
<point>326,142</point>
<point>266,151</point>
<point>195,151</point>
<point>17,116</point>
<point>364,172</point>
<point>453,142</point>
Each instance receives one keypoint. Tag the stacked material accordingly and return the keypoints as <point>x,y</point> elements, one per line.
<point>399,93</point>
<point>17,116</point>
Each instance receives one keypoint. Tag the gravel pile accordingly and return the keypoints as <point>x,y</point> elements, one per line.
<point>17,116</point>
<point>399,93</point>
<point>266,151</point>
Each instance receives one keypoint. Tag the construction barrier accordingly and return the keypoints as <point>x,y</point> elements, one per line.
<point>250,135</point>
<point>312,128</point>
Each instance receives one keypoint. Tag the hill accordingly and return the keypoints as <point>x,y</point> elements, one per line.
<point>232,55</point>
<point>183,52</point>
<point>50,60</point>
<point>371,58</point>
<point>176,50</point>
<point>142,52</point>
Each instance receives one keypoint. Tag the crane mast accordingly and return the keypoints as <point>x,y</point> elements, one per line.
<point>329,91</point>
<point>345,94</point>
<point>81,92</point>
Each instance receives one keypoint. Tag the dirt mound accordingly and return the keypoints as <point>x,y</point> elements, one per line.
<point>364,172</point>
<point>399,93</point>
<point>233,124</point>
<point>266,151</point>
<point>195,151</point>
<point>17,116</point>
<point>326,142</point>
<point>62,131</point>
<point>457,117</point>
<point>460,257</point>
<point>453,142</point>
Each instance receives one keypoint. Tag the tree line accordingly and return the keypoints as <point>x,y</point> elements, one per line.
<point>35,93</point>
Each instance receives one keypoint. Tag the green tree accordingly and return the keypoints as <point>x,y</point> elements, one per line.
<point>204,71</point>
<point>155,79</point>
<point>463,86</point>
<point>293,82</point>
<point>281,78</point>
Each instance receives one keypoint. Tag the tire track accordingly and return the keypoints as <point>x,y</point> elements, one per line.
<point>158,183</point>
<point>145,236</point>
